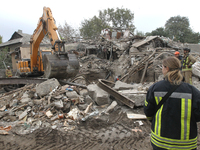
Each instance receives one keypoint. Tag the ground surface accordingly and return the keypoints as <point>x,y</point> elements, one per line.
<point>110,132</point>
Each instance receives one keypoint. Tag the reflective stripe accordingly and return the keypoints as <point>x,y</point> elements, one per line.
<point>186,106</point>
<point>8,73</point>
<point>185,118</point>
<point>157,100</point>
<point>173,143</point>
<point>149,118</point>
<point>146,103</point>
<point>188,69</point>
<point>185,62</point>
<point>182,119</point>
<point>174,95</point>
<point>159,121</point>
<point>158,117</point>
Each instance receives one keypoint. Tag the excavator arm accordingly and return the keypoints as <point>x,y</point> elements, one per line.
<point>60,64</point>
<point>46,25</point>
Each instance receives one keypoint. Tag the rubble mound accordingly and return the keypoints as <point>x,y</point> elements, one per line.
<point>108,132</point>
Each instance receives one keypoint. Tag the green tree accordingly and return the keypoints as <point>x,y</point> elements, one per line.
<point>159,31</point>
<point>178,28</point>
<point>193,37</point>
<point>92,28</point>
<point>68,33</point>
<point>139,33</point>
<point>5,58</point>
<point>1,38</point>
<point>120,18</point>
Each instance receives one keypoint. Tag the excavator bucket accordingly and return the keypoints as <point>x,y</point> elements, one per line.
<point>60,66</point>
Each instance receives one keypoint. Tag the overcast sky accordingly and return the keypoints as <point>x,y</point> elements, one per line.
<point>148,14</point>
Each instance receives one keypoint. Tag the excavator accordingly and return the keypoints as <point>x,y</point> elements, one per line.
<point>54,63</point>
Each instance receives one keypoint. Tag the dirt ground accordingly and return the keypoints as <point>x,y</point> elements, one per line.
<point>109,132</point>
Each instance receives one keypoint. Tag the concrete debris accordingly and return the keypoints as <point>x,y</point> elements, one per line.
<point>56,104</point>
<point>196,69</point>
<point>100,96</point>
<point>46,87</point>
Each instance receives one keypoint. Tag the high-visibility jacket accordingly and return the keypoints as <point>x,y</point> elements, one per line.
<point>174,124</point>
<point>8,73</point>
<point>187,62</point>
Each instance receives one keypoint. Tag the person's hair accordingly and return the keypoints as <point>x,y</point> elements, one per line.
<point>174,75</point>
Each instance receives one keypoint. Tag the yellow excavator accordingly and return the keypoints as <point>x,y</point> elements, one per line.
<point>57,63</point>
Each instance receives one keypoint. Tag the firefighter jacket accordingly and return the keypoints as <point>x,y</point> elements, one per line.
<point>187,62</point>
<point>8,73</point>
<point>174,124</point>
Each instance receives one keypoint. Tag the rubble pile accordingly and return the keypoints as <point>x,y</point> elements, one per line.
<point>49,104</point>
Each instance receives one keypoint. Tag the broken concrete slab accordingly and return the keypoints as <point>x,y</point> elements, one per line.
<point>72,94</point>
<point>88,99</point>
<point>100,96</point>
<point>123,86</point>
<point>46,87</point>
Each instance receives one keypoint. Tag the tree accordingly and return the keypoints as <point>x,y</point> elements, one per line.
<point>159,31</point>
<point>139,33</point>
<point>119,18</point>
<point>178,28</point>
<point>68,33</point>
<point>193,37</point>
<point>5,58</point>
<point>1,39</point>
<point>92,28</point>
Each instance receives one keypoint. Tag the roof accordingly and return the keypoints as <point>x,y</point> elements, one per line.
<point>144,41</point>
<point>17,37</point>
<point>23,38</point>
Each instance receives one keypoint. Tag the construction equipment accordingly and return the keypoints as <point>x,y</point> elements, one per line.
<point>57,63</point>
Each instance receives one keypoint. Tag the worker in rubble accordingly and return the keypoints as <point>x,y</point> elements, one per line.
<point>177,55</point>
<point>8,72</point>
<point>117,78</point>
<point>174,123</point>
<point>187,62</point>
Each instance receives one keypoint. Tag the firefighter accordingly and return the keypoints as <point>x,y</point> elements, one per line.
<point>8,72</point>
<point>174,124</point>
<point>187,62</point>
<point>177,55</point>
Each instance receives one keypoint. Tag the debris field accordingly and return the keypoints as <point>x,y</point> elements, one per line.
<point>100,108</point>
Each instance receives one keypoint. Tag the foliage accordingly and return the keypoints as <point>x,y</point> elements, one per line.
<point>68,33</point>
<point>1,38</point>
<point>139,33</point>
<point>159,31</point>
<point>120,18</point>
<point>178,29</point>
<point>5,58</point>
<point>193,37</point>
<point>92,28</point>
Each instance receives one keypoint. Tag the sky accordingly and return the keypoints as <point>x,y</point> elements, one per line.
<point>148,14</point>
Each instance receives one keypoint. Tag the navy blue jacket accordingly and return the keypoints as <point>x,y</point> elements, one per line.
<point>174,125</point>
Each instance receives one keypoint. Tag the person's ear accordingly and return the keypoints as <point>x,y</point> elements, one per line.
<point>167,68</point>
